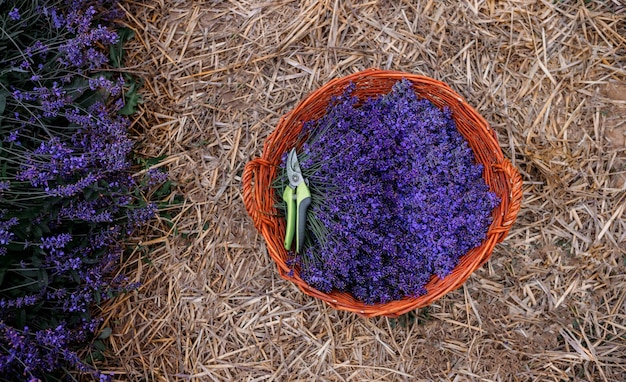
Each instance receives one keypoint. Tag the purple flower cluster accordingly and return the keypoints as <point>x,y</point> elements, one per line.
<point>81,49</point>
<point>397,196</point>
<point>14,14</point>
<point>155,177</point>
<point>141,216</point>
<point>67,195</point>
<point>27,347</point>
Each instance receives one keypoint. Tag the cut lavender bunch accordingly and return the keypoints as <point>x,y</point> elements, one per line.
<point>396,196</point>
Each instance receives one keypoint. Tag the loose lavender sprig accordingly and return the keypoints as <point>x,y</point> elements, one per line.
<point>397,192</point>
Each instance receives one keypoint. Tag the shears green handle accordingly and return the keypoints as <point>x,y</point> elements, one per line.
<point>298,201</point>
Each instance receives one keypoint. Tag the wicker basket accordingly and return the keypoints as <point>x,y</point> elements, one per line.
<point>500,175</point>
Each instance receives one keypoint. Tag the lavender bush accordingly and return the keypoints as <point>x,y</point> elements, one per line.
<point>67,197</point>
<point>396,196</point>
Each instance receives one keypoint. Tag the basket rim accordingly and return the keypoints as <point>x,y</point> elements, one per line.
<point>505,177</point>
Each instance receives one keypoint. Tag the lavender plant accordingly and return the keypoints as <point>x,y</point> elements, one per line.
<point>67,197</point>
<point>396,196</point>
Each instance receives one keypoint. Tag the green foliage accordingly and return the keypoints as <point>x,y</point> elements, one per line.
<point>68,198</point>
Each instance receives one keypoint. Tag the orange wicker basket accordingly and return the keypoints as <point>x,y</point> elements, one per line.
<point>499,174</point>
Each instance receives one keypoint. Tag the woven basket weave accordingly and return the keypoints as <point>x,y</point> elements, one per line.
<point>499,174</point>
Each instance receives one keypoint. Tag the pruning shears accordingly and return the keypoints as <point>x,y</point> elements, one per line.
<point>298,197</point>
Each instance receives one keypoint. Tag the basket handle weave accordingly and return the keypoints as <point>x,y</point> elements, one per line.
<point>252,198</point>
<point>514,200</point>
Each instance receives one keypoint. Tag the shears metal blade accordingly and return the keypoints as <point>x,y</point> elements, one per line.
<point>298,198</point>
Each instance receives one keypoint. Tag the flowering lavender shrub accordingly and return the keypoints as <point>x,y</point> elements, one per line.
<point>396,196</point>
<point>67,197</point>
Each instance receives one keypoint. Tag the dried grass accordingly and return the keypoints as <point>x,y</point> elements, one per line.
<point>551,303</point>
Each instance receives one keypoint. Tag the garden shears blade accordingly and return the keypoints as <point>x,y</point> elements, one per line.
<point>298,197</point>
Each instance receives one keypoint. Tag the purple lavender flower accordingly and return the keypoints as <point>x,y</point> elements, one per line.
<point>156,176</point>
<point>5,234</point>
<point>13,136</point>
<point>67,178</point>
<point>5,185</point>
<point>79,21</point>
<point>397,192</point>
<point>73,189</point>
<point>19,302</point>
<point>14,14</point>
<point>38,47</point>
<point>56,242</point>
<point>80,50</point>
<point>105,238</point>
<point>89,211</point>
<point>114,88</point>
<point>140,216</point>
<point>53,99</point>
<point>60,162</point>
<point>22,95</point>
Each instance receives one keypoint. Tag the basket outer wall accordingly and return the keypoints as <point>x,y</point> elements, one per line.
<point>499,174</point>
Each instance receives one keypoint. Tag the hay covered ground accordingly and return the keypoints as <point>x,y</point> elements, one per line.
<point>550,305</point>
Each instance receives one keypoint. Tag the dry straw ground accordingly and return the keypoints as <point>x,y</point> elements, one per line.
<point>549,75</point>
